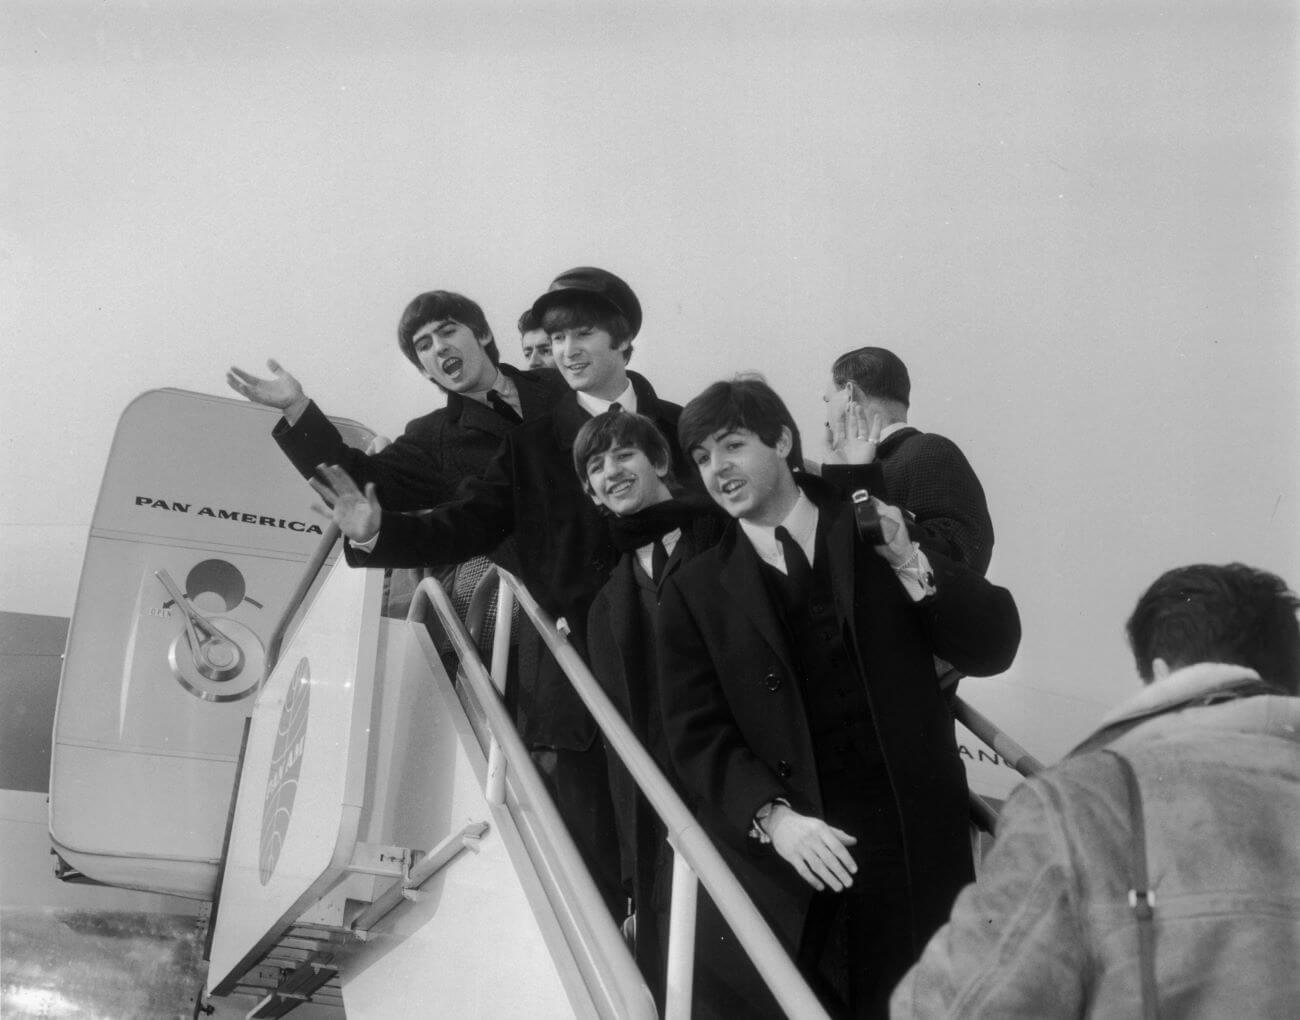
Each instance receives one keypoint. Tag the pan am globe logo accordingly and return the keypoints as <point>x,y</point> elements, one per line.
<point>286,763</point>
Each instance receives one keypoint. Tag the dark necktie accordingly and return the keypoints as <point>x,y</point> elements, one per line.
<point>658,560</point>
<point>614,408</point>
<point>796,563</point>
<point>503,408</point>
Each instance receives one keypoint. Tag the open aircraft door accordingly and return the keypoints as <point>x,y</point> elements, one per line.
<point>199,537</point>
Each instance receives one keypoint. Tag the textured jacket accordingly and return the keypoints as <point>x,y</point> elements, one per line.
<point>1047,930</point>
<point>928,476</point>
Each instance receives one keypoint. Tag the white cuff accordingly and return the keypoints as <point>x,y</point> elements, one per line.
<point>756,829</point>
<point>916,576</point>
<point>367,546</point>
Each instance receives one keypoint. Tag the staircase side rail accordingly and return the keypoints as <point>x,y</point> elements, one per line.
<point>985,729</point>
<point>309,575</point>
<point>620,982</point>
<point>692,845</point>
<point>982,814</point>
<point>276,641</point>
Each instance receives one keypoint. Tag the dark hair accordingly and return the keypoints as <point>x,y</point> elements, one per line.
<point>580,312</point>
<point>1233,614</point>
<point>745,402</point>
<point>435,305</point>
<point>529,322</point>
<point>878,373</point>
<point>621,428</point>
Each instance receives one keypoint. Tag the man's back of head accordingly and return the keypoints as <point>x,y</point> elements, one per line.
<point>1231,614</point>
<point>879,373</point>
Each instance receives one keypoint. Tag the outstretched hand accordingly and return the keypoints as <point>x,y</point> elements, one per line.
<point>850,437</point>
<point>282,391</point>
<point>817,851</point>
<point>356,513</point>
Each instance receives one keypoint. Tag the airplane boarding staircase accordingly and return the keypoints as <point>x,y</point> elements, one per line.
<point>388,846</point>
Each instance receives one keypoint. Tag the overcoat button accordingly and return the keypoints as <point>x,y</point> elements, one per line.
<point>783,769</point>
<point>772,681</point>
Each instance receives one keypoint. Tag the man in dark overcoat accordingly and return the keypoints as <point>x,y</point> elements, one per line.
<point>446,336</point>
<point>624,463</point>
<point>924,473</point>
<point>565,550</point>
<point>803,713</point>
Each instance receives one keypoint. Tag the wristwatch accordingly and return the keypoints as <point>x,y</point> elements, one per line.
<point>758,829</point>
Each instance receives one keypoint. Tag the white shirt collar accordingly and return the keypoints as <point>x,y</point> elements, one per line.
<point>645,553</point>
<point>599,405</point>
<point>801,522</point>
<point>889,430</point>
<point>503,385</point>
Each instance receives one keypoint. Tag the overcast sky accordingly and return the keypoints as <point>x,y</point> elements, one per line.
<point>1076,222</point>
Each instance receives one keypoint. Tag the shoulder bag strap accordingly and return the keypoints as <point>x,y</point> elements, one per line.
<point>1140,896</point>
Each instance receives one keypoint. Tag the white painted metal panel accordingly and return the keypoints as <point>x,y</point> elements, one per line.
<point>482,940</point>
<point>144,747</point>
<point>303,783</point>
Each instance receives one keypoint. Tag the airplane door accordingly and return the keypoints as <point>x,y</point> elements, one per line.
<point>200,534</point>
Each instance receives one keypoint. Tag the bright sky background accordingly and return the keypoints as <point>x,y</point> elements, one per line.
<point>1076,222</point>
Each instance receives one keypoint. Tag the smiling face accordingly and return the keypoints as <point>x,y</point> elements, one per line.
<point>453,357</point>
<point>624,480</point>
<point>747,478</point>
<point>589,362</point>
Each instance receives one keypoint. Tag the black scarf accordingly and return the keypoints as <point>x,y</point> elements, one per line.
<point>643,527</point>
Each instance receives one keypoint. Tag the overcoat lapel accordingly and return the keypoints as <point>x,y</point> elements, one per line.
<point>841,549</point>
<point>742,578</point>
<point>538,390</point>
<point>470,414</point>
<point>841,546</point>
<point>621,593</point>
<point>567,418</point>
<point>674,561</point>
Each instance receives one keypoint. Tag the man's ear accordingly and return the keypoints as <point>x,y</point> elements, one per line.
<point>1159,669</point>
<point>785,441</point>
<point>661,469</point>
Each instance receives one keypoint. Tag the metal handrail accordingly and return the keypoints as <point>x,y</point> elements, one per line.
<point>424,869</point>
<point>583,902</point>
<point>318,557</point>
<point>982,814</point>
<point>696,858</point>
<point>309,575</point>
<point>985,729</point>
<point>691,845</point>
